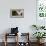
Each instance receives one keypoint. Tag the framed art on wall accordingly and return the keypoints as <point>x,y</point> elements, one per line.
<point>41,8</point>
<point>17,13</point>
<point>41,12</point>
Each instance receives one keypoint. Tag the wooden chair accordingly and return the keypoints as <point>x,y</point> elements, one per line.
<point>8,34</point>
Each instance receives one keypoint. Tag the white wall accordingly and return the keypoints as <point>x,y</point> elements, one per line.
<point>24,24</point>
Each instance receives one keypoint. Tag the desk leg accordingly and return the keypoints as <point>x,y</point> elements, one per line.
<point>17,40</point>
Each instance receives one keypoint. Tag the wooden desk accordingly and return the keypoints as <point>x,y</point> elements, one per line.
<point>8,34</point>
<point>17,43</point>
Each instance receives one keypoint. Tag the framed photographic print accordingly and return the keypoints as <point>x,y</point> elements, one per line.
<point>17,13</point>
<point>41,12</point>
<point>41,8</point>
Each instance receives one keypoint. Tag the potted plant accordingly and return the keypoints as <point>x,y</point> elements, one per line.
<point>39,35</point>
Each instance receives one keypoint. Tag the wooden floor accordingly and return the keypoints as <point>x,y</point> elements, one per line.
<point>13,44</point>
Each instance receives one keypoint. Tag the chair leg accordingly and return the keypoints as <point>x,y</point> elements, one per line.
<point>5,43</point>
<point>5,40</point>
